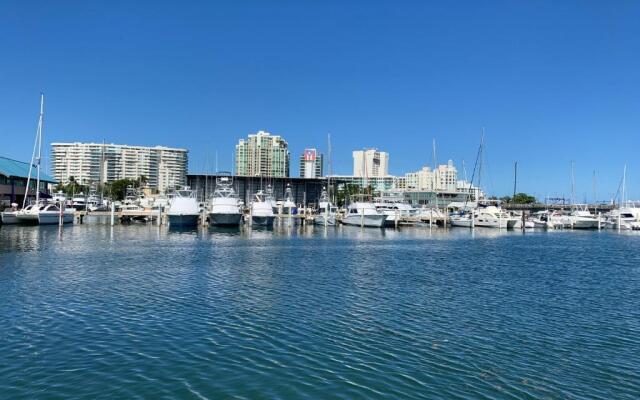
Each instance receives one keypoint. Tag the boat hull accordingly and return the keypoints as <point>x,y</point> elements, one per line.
<point>27,218</point>
<point>497,224</point>
<point>53,218</point>
<point>183,219</point>
<point>584,224</point>
<point>9,218</point>
<point>258,220</point>
<point>324,220</point>
<point>369,221</point>
<point>231,219</point>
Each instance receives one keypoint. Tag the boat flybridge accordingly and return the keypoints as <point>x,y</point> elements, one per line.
<point>183,209</point>
<point>262,210</point>
<point>485,216</point>
<point>326,211</point>
<point>363,212</point>
<point>224,206</point>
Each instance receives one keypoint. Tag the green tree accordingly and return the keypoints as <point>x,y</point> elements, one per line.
<point>118,189</point>
<point>523,198</point>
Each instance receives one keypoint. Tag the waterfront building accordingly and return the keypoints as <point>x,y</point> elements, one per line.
<point>262,154</point>
<point>164,168</point>
<point>311,164</point>
<point>13,181</point>
<point>377,183</point>
<point>370,163</point>
<point>305,191</point>
<point>443,178</point>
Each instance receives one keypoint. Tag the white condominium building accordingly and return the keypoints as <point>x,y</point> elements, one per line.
<point>370,163</point>
<point>443,178</point>
<point>164,167</point>
<point>262,154</point>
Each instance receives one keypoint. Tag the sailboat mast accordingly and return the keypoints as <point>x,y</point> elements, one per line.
<point>624,184</point>
<point>329,169</point>
<point>39,136</point>
<point>515,178</point>
<point>572,185</point>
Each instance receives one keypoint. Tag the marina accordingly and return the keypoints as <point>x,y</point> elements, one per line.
<point>320,200</point>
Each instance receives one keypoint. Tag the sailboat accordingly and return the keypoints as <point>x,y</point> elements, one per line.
<point>225,209</point>
<point>41,212</point>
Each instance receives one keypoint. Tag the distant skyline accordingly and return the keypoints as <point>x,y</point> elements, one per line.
<point>550,82</point>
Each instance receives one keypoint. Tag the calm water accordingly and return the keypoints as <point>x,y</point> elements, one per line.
<point>142,312</point>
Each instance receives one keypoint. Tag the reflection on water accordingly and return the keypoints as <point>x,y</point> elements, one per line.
<point>98,311</point>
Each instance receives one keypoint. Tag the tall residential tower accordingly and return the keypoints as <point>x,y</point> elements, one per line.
<point>370,163</point>
<point>262,154</point>
<point>311,164</point>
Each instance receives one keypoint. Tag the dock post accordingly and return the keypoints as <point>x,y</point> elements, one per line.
<point>599,220</point>
<point>159,215</point>
<point>113,212</point>
<point>397,216</point>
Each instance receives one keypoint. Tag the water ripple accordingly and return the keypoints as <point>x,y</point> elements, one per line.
<point>144,312</point>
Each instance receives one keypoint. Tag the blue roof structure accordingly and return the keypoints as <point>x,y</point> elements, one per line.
<point>19,169</point>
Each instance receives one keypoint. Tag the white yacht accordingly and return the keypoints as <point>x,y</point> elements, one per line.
<point>550,220</point>
<point>79,202</point>
<point>364,214</point>
<point>288,206</point>
<point>485,217</point>
<point>269,197</point>
<point>95,202</point>
<point>392,204</point>
<point>528,223</point>
<point>262,210</point>
<point>183,208</point>
<point>581,218</point>
<point>326,211</point>
<point>224,209</point>
<point>624,218</point>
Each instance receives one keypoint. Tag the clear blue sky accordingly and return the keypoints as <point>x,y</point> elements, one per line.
<point>550,81</point>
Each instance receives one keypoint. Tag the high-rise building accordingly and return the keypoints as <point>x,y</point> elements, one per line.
<point>311,164</point>
<point>164,168</point>
<point>262,154</point>
<point>370,163</point>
